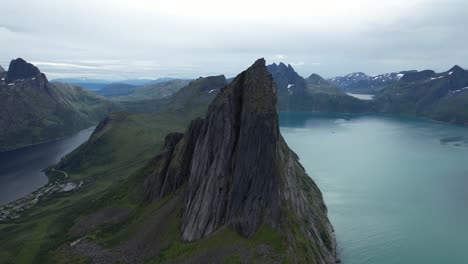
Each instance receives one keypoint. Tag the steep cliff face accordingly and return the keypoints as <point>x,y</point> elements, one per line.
<point>235,157</point>
<point>236,170</point>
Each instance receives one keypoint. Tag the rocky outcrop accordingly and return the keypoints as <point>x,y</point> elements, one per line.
<point>235,157</point>
<point>20,69</point>
<point>172,165</point>
<point>236,170</point>
<point>286,78</point>
<point>1,69</point>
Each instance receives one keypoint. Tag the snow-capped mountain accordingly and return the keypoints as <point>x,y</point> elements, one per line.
<point>360,82</point>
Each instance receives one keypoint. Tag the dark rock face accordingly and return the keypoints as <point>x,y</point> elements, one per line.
<point>172,164</point>
<point>20,69</point>
<point>236,170</point>
<point>235,157</point>
<point>287,79</point>
<point>161,162</point>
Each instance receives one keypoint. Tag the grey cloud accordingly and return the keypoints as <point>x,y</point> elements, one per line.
<point>72,39</point>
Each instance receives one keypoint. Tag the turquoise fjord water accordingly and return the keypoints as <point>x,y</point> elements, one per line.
<point>396,188</point>
<point>21,169</point>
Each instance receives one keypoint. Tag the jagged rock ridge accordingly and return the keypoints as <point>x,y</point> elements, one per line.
<point>236,170</point>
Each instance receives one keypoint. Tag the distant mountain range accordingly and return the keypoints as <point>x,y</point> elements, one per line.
<point>35,110</point>
<point>312,94</point>
<point>97,84</point>
<point>152,90</point>
<point>441,96</point>
<point>362,83</point>
<point>194,97</point>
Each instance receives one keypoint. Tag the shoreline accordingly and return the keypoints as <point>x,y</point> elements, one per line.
<point>47,170</point>
<point>55,185</point>
<point>47,141</point>
<point>384,114</point>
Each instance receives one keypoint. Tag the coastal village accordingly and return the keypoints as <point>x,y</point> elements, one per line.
<point>15,209</point>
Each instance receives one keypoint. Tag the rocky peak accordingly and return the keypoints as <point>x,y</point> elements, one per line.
<point>236,155</point>
<point>206,84</point>
<point>456,69</point>
<point>20,69</point>
<point>236,170</point>
<point>1,69</point>
<point>286,77</point>
<point>315,78</point>
<point>458,78</point>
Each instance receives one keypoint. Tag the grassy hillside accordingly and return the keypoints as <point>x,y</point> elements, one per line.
<point>103,164</point>
<point>116,90</point>
<point>35,111</point>
<point>108,214</point>
<point>153,90</point>
<point>109,164</point>
<point>440,96</point>
<point>196,95</point>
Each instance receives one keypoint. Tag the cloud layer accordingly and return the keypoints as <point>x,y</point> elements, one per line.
<point>120,39</point>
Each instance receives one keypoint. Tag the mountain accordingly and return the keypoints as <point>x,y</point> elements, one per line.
<point>287,79</point>
<point>34,110</point>
<point>87,83</point>
<point>195,96</point>
<point>316,84</point>
<point>361,83</point>
<point>153,90</point>
<point>441,96</point>
<point>227,189</point>
<point>97,84</point>
<point>115,90</point>
<point>312,94</point>
<point>1,69</point>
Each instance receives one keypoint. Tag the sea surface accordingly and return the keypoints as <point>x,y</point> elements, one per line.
<point>396,188</point>
<point>21,169</point>
<point>362,96</point>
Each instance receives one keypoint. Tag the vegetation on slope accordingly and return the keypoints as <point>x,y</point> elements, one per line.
<point>34,110</point>
<point>440,96</point>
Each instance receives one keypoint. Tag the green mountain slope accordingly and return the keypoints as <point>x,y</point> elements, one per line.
<point>116,90</point>
<point>440,96</point>
<point>194,96</point>
<point>34,110</point>
<point>110,218</point>
<point>154,90</point>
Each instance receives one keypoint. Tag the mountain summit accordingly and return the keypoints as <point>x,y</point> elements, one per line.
<point>237,171</point>
<point>20,69</point>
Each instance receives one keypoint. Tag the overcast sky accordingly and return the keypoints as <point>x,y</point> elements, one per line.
<point>120,39</point>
